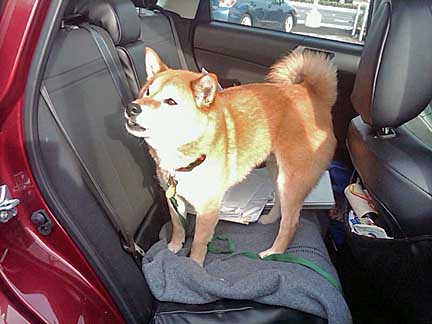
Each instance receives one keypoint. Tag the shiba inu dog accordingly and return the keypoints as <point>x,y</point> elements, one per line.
<point>209,140</point>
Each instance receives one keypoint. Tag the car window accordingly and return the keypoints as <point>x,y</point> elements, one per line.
<point>341,20</point>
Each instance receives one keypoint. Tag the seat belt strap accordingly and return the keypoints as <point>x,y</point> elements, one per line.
<point>127,238</point>
<point>112,64</point>
<point>179,48</point>
<point>177,42</point>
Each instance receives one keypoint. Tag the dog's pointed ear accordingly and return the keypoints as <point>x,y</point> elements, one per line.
<point>205,89</point>
<point>153,63</point>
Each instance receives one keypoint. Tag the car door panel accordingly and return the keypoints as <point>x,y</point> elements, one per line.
<point>242,46</point>
<point>231,69</point>
<point>243,54</point>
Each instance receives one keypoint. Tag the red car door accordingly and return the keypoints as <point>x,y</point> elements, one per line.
<point>44,278</point>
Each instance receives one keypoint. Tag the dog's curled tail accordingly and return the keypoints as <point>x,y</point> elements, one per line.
<point>313,68</point>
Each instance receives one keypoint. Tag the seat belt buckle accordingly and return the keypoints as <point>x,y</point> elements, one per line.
<point>132,247</point>
<point>139,250</point>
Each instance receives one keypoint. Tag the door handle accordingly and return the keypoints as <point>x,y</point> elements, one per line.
<point>329,55</point>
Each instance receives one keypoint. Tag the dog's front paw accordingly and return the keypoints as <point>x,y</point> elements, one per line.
<point>268,252</point>
<point>198,260</point>
<point>174,247</point>
<point>198,255</point>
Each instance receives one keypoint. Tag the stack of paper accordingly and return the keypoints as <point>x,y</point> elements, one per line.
<point>247,201</point>
<point>244,202</point>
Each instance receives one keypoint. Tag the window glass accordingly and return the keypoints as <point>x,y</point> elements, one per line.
<point>342,20</point>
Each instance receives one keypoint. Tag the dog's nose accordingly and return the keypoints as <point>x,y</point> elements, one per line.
<point>133,109</point>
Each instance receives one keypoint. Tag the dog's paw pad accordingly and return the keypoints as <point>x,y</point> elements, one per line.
<point>174,247</point>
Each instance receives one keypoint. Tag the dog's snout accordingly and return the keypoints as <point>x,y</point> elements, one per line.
<point>133,109</point>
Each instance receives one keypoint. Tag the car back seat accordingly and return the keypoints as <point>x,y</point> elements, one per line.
<point>87,102</point>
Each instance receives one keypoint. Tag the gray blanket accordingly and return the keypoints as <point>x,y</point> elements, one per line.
<point>176,278</point>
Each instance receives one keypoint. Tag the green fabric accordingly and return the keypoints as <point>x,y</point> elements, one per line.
<point>273,257</point>
<point>182,218</point>
<point>216,250</point>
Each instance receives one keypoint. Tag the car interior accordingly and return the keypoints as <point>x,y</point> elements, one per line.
<point>101,182</point>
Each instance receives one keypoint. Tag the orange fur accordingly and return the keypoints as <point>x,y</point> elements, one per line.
<point>237,129</point>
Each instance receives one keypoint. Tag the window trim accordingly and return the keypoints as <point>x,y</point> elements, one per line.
<point>204,14</point>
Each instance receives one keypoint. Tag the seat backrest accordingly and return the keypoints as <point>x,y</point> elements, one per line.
<point>394,79</point>
<point>91,109</point>
<point>134,29</point>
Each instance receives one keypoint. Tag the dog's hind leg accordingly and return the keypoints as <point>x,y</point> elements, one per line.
<point>296,176</point>
<point>298,172</point>
<point>275,212</point>
<point>291,202</point>
<point>178,232</point>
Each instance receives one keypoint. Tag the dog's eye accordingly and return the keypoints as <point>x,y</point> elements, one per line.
<point>170,102</point>
<point>147,93</point>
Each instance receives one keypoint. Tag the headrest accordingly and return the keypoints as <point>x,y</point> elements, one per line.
<point>70,8</point>
<point>394,79</point>
<point>118,17</point>
<point>75,7</point>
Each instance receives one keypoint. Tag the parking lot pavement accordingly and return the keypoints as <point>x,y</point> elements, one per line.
<point>336,23</point>
<point>330,16</point>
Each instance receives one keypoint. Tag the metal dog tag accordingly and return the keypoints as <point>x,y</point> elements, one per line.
<point>171,191</point>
